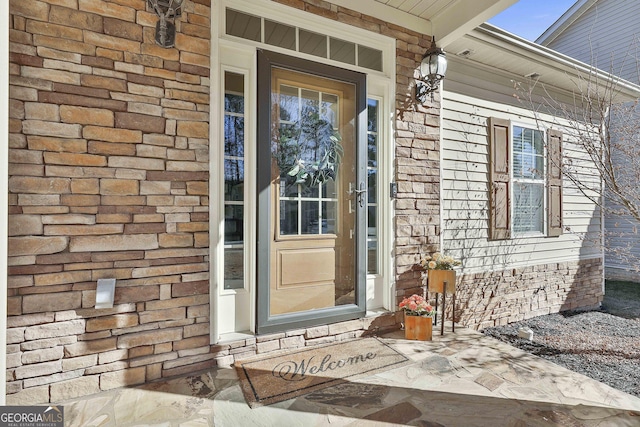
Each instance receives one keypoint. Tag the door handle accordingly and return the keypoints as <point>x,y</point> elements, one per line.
<point>361,194</point>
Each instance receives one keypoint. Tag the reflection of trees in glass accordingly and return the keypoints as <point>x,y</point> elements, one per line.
<point>528,153</point>
<point>308,151</point>
<point>234,147</point>
<point>372,150</point>
<point>233,179</point>
<point>234,126</point>
<point>372,182</point>
<point>233,224</point>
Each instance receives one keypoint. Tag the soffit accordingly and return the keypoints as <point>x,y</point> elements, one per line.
<point>499,50</point>
<point>460,26</point>
<point>447,20</point>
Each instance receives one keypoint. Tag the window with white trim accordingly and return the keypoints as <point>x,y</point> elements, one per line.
<point>525,171</point>
<point>528,180</point>
<point>250,27</point>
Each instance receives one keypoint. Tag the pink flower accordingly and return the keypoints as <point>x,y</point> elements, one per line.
<point>416,305</point>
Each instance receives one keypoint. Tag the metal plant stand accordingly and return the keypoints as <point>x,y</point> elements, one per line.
<point>443,282</point>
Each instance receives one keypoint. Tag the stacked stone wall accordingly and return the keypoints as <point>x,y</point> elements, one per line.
<point>108,178</point>
<point>502,297</point>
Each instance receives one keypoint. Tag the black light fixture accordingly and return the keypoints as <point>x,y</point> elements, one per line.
<point>167,10</point>
<point>432,70</point>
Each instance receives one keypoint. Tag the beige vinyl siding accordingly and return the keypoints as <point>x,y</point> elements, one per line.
<point>608,36</point>
<point>605,36</point>
<point>465,193</point>
<point>623,231</point>
<point>622,237</point>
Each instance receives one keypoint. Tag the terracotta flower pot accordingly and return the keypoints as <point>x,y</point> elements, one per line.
<point>437,278</point>
<point>418,328</point>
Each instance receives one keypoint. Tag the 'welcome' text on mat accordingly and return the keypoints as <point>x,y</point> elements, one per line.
<point>273,378</point>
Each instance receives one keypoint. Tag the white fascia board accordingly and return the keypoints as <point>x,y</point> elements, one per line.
<point>507,42</point>
<point>461,17</point>
<point>567,18</point>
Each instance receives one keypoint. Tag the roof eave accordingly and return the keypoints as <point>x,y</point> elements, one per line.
<point>508,42</point>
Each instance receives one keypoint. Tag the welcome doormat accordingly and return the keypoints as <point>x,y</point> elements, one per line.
<point>273,378</point>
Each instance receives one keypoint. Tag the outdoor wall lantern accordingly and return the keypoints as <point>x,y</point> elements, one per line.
<point>432,70</point>
<point>165,29</point>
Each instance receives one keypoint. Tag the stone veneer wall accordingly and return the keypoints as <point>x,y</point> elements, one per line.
<point>109,178</point>
<point>501,297</point>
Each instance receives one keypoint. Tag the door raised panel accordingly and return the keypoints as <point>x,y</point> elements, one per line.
<point>307,267</point>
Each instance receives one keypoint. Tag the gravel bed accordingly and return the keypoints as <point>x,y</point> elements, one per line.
<point>598,344</point>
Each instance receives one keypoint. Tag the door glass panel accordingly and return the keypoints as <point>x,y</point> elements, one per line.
<point>288,217</point>
<point>313,257</point>
<point>234,181</point>
<point>311,217</point>
<point>372,177</point>
<point>329,220</point>
<point>309,192</point>
<point>329,189</point>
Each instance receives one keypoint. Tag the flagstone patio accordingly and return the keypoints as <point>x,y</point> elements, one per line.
<point>459,379</point>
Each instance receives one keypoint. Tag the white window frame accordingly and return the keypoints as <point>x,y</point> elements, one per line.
<point>516,180</point>
<point>380,286</point>
<point>239,56</point>
<point>232,311</point>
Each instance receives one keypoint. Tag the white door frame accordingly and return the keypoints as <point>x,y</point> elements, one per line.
<point>380,85</point>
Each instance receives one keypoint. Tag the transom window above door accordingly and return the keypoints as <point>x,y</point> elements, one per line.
<point>262,30</point>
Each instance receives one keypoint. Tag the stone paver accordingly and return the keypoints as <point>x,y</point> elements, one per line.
<point>459,379</point>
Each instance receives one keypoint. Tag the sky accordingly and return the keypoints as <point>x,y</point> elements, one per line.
<point>530,18</point>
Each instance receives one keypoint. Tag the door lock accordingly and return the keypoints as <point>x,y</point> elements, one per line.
<point>361,194</point>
